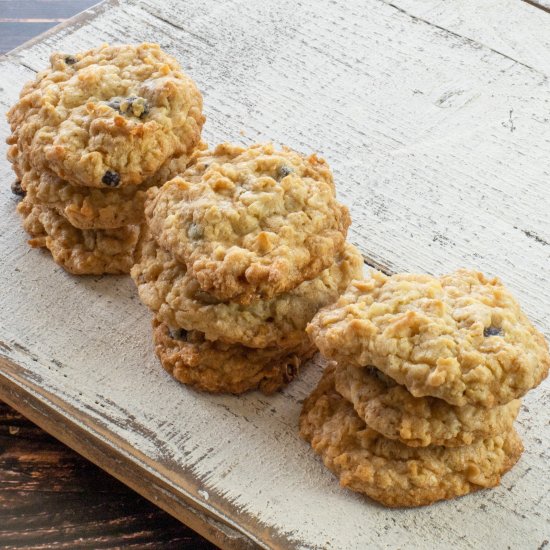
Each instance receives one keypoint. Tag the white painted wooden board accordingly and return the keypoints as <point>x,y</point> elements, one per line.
<point>440,147</point>
<point>511,27</point>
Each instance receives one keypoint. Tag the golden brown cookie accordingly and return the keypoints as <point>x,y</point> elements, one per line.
<point>91,208</point>
<point>462,337</point>
<point>252,222</point>
<point>222,368</point>
<point>86,207</point>
<point>108,117</point>
<point>79,251</point>
<point>174,295</point>
<point>390,409</point>
<point>389,471</point>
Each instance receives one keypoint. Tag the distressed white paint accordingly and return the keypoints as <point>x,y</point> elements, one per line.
<point>439,146</point>
<point>511,27</point>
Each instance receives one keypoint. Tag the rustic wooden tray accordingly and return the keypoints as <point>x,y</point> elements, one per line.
<point>437,126</point>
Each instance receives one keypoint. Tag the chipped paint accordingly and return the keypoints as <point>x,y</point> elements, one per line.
<point>429,188</point>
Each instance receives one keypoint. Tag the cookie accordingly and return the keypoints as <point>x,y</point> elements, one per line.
<point>221,368</point>
<point>392,411</point>
<point>91,208</point>
<point>462,337</point>
<point>108,117</point>
<point>86,207</point>
<point>389,471</point>
<point>168,289</point>
<point>79,251</point>
<point>250,223</point>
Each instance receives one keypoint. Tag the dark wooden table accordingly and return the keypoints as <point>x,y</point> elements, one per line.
<point>21,20</point>
<point>51,497</point>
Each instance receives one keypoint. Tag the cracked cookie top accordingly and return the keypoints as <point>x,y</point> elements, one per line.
<point>108,117</point>
<point>462,337</point>
<point>252,222</point>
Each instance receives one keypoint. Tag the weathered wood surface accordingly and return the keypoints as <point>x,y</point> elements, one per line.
<point>52,497</point>
<point>439,145</point>
<point>511,28</point>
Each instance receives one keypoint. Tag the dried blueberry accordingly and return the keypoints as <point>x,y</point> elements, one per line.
<point>135,106</point>
<point>284,171</point>
<point>130,106</point>
<point>178,334</point>
<point>291,372</point>
<point>195,231</point>
<point>372,370</point>
<point>114,104</point>
<point>492,331</point>
<point>16,189</point>
<point>71,60</point>
<point>110,178</point>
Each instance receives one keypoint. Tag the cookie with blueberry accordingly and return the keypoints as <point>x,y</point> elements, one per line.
<point>250,222</point>
<point>216,367</point>
<point>167,288</point>
<point>108,117</point>
<point>93,208</point>
<point>391,410</point>
<point>461,337</point>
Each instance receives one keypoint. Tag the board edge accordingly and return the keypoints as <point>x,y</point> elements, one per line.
<point>39,411</point>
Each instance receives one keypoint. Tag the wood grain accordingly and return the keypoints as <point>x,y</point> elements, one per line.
<point>91,445</point>
<point>50,496</point>
<point>514,29</point>
<point>439,145</point>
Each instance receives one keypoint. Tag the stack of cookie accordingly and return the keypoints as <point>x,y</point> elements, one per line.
<point>421,401</point>
<point>238,255</point>
<point>89,136</point>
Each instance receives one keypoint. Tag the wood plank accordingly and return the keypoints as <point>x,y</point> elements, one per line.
<point>439,115</point>
<point>51,496</point>
<point>89,445</point>
<point>439,146</point>
<point>519,30</point>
